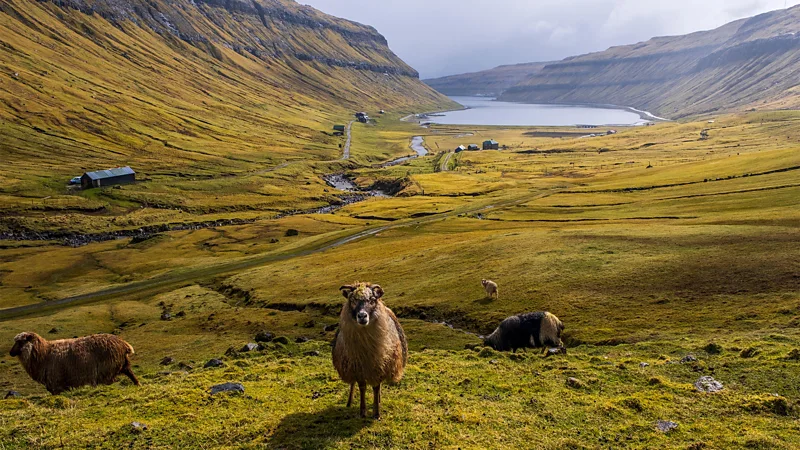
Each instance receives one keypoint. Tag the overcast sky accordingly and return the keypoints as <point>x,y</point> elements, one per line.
<point>444,37</point>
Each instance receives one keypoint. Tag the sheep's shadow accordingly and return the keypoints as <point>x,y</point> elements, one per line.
<point>320,429</point>
<point>484,301</point>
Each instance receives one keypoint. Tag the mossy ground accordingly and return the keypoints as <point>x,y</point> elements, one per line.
<point>642,264</point>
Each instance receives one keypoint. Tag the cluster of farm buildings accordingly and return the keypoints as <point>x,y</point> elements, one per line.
<point>487,145</point>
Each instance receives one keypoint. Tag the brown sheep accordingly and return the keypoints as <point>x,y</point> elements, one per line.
<point>370,346</point>
<point>69,363</point>
<point>491,288</point>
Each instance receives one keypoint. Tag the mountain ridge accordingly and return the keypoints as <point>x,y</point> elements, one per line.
<point>745,64</point>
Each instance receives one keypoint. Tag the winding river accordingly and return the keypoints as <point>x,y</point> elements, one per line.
<point>416,145</point>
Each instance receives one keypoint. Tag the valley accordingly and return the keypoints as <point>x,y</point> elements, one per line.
<point>640,262</point>
<point>670,251</point>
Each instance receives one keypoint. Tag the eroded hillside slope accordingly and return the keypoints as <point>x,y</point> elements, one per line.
<point>486,82</point>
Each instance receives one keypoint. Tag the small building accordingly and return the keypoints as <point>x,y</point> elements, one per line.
<point>473,147</point>
<point>460,149</point>
<point>339,129</point>
<point>491,145</point>
<point>362,117</point>
<point>609,132</point>
<point>110,177</point>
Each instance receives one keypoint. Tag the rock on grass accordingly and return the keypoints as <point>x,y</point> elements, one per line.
<point>708,385</point>
<point>665,426</point>
<point>227,387</point>
<point>575,383</point>
<point>138,427</point>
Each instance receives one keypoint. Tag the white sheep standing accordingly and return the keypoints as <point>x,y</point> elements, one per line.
<point>491,288</point>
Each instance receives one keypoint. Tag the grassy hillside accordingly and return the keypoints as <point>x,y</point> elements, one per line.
<point>651,245</point>
<point>748,64</point>
<point>490,82</point>
<point>200,98</point>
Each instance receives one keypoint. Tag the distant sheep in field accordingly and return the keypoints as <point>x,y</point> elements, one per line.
<point>370,346</point>
<point>534,330</point>
<point>69,363</point>
<point>491,288</point>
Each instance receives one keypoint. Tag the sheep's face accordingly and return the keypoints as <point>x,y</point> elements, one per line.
<point>363,300</point>
<point>483,282</point>
<point>22,343</point>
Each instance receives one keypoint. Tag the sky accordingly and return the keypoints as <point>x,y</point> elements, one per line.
<point>445,37</point>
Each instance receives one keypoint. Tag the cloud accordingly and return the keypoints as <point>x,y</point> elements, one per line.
<point>442,37</point>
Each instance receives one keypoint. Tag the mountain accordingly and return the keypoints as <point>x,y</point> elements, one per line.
<point>490,82</point>
<point>184,85</point>
<point>750,63</point>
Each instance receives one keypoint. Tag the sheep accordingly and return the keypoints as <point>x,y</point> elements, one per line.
<point>491,288</point>
<point>69,363</point>
<point>534,330</point>
<point>370,346</point>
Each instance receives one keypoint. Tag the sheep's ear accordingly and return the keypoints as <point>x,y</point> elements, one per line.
<point>377,290</point>
<point>347,290</point>
<point>29,337</point>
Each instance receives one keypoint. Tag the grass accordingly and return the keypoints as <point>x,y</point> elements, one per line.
<point>644,265</point>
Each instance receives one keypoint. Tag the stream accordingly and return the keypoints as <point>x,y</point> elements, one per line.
<point>350,194</point>
<point>416,145</point>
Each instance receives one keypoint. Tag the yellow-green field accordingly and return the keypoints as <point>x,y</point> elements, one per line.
<point>650,245</point>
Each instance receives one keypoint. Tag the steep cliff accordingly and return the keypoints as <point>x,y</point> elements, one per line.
<point>750,63</point>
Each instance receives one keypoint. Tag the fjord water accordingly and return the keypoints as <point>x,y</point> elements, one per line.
<point>487,111</point>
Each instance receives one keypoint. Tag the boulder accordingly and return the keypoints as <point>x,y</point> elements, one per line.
<point>12,394</point>
<point>138,427</point>
<point>265,336</point>
<point>575,383</point>
<point>250,347</point>
<point>214,363</point>
<point>227,387</point>
<point>167,360</point>
<point>708,384</point>
<point>281,340</point>
<point>665,426</point>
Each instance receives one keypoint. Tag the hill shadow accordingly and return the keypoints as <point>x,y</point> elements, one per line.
<point>321,429</point>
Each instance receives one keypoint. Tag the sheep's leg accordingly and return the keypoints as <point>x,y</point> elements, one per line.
<point>362,387</point>
<point>350,398</point>
<point>376,391</point>
<point>129,373</point>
